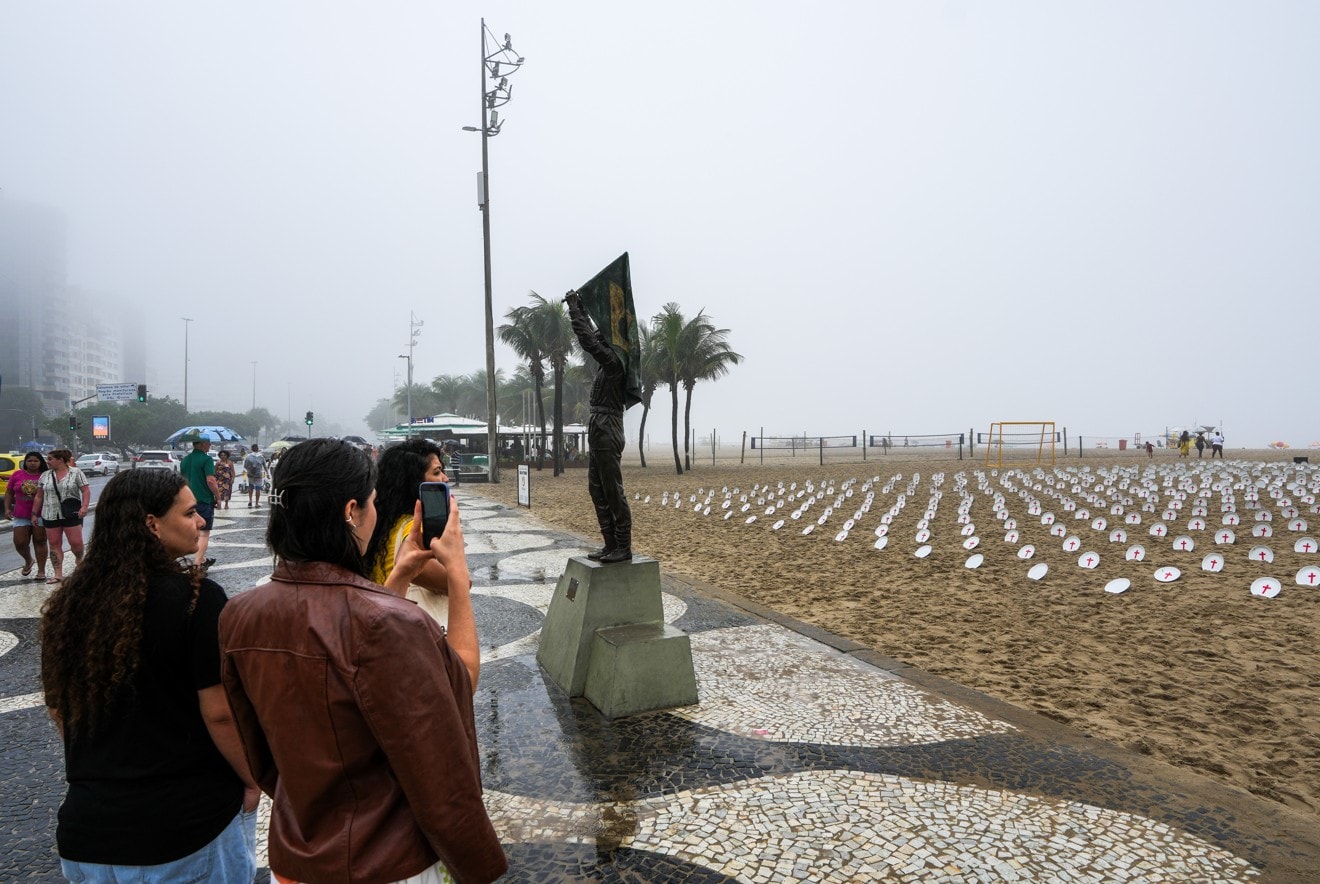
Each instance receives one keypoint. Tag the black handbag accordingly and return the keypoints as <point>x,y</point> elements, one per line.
<point>69,507</point>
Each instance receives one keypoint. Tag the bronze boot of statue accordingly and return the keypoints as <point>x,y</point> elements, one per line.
<point>596,555</point>
<point>622,551</point>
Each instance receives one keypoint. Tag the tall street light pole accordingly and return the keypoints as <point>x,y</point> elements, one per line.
<point>408,389</point>
<point>495,56</point>
<point>186,323</point>
<point>254,385</point>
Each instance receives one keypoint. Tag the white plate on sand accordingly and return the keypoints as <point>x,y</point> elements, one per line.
<point>1309,576</point>
<point>1266,587</point>
<point>809,529</point>
<point>1026,552</point>
<point>922,551</point>
<point>1167,575</point>
<point>1117,585</point>
<point>1136,553</point>
<point>1306,545</point>
<point>974,562</point>
<point>777,525</point>
<point>971,542</point>
<point>1038,571</point>
<point>1213,563</point>
<point>1224,535</point>
<point>1088,560</point>
<point>881,542</point>
<point>1262,554</point>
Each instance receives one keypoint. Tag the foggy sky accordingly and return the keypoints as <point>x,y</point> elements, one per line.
<point>912,217</point>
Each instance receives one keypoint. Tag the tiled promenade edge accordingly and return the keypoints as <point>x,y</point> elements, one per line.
<point>808,757</point>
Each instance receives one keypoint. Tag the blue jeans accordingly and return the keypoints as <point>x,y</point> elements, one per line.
<point>230,859</point>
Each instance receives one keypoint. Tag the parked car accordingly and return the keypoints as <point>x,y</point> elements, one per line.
<point>158,459</point>
<point>9,463</point>
<point>100,463</point>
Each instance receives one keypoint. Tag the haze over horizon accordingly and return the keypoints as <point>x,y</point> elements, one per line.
<point>915,218</point>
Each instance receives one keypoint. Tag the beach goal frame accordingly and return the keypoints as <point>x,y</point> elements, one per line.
<point>1006,433</point>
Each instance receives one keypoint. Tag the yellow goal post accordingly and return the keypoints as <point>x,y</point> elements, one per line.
<point>1005,434</point>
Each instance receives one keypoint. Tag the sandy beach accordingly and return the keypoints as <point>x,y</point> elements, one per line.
<point>1198,673</point>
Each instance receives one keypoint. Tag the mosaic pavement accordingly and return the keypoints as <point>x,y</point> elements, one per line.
<point>803,761</point>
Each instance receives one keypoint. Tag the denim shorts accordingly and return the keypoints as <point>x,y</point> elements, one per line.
<point>230,859</point>
<point>22,523</point>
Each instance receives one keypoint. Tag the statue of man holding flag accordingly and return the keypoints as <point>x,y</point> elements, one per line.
<point>605,323</point>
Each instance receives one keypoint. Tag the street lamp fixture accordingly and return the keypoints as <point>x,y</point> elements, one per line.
<point>498,60</point>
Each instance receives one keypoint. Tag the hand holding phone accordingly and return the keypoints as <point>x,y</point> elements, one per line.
<point>435,510</point>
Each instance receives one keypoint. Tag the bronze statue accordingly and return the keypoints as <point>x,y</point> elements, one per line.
<point>609,400</point>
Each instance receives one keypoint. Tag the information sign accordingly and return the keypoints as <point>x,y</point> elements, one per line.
<point>116,392</point>
<point>100,426</point>
<point>524,485</point>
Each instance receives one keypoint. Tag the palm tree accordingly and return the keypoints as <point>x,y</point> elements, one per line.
<point>650,375</point>
<point>667,337</point>
<point>448,392</point>
<point>557,341</point>
<point>522,333</point>
<point>706,356</point>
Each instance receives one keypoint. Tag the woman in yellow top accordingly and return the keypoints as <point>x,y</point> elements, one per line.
<point>401,469</point>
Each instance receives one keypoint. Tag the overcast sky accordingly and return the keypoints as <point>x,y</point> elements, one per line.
<point>917,217</point>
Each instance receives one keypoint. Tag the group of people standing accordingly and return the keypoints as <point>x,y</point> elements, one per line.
<point>325,687</point>
<point>47,499</point>
<point>1215,443</point>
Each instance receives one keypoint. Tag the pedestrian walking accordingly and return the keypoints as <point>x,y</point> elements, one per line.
<point>199,471</point>
<point>254,465</point>
<point>224,478</point>
<point>62,500</point>
<point>20,495</point>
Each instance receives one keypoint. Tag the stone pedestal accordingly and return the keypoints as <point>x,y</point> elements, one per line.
<point>605,637</point>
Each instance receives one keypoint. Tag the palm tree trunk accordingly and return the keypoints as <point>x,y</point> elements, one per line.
<point>673,426</point>
<point>559,418</point>
<point>641,434</point>
<point>687,425</point>
<point>540,411</point>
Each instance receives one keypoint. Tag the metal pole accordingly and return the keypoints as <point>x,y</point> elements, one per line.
<point>186,323</point>
<point>254,385</point>
<point>494,474</point>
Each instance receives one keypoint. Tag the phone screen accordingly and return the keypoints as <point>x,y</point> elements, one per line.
<point>435,509</point>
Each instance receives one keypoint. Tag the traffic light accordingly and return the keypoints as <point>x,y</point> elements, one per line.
<point>309,418</point>
<point>142,392</point>
<point>73,424</point>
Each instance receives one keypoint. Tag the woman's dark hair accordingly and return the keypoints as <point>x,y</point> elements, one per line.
<point>91,626</point>
<point>401,469</point>
<point>37,454</point>
<point>316,479</point>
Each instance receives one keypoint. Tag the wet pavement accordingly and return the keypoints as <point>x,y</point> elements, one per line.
<point>808,757</point>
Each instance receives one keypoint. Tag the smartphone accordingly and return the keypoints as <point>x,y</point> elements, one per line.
<point>435,509</point>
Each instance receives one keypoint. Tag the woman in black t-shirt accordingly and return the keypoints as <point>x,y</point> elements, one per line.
<point>130,664</point>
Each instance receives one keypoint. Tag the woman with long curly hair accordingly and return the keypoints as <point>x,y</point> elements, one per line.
<point>354,708</point>
<point>399,471</point>
<point>158,788</point>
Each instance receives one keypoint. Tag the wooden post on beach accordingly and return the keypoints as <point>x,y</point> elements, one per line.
<point>742,451</point>
<point>1065,441</point>
<point>863,445</point>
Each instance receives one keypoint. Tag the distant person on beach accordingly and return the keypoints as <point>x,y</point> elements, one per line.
<point>1185,444</point>
<point>1200,445</point>
<point>1217,445</point>
<point>1150,449</point>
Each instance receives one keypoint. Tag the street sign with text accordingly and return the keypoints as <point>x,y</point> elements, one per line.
<point>116,392</point>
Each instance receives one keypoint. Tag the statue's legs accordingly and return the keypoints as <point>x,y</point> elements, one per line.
<point>605,483</point>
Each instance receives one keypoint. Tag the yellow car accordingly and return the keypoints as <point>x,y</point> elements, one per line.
<point>8,464</point>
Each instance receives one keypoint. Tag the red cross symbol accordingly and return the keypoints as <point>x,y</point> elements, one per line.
<point>1306,547</point>
<point>1310,577</point>
<point>1265,587</point>
<point>1168,574</point>
<point>1214,562</point>
<point>1226,537</point>
<point>1088,560</point>
<point>1135,555</point>
<point>1183,544</point>
<point>1263,554</point>
<point>1159,532</point>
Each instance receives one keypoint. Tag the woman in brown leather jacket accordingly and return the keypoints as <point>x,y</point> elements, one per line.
<point>354,708</point>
